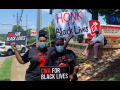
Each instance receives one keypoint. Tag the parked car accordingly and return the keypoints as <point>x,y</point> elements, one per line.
<point>7,49</point>
<point>31,45</point>
<point>52,44</point>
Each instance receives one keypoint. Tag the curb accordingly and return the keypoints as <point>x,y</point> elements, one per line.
<point>1,61</point>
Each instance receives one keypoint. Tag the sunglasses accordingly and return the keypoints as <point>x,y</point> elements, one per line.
<point>59,44</point>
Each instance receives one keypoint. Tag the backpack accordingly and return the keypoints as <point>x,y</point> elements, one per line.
<point>105,41</point>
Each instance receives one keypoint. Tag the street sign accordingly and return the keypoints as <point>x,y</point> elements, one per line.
<point>33,33</point>
<point>34,36</point>
<point>113,19</point>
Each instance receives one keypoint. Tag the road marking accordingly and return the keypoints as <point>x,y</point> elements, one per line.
<point>17,63</point>
<point>18,69</point>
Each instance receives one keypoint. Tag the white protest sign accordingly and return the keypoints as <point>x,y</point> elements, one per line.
<point>75,22</point>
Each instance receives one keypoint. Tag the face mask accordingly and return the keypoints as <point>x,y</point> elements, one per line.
<point>42,44</point>
<point>60,48</point>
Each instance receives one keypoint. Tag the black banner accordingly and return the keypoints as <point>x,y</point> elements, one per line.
<point>54,73</point>
<point>18,37</point>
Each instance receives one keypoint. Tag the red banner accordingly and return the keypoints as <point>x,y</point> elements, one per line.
<point>94,24</point>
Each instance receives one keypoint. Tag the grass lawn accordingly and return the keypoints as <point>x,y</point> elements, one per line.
<point>116,77</point>
<point>5,69</point>
<point>80,59</point>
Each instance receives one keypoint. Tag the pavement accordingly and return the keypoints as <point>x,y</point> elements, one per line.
<point>3,57</point>
<point>18,70</point>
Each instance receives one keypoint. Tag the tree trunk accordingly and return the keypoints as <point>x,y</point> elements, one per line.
<point>95,15</point>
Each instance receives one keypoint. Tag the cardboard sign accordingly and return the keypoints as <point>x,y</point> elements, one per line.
<point>94,24</point>
<point>17,37</point>
<point>54,73</point>
<point>75,23</point>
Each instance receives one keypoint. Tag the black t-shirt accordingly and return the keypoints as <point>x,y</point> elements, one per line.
<point>67,57</point>
<point>37,58</point>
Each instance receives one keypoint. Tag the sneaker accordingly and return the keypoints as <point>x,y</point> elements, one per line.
<point>83,55</point>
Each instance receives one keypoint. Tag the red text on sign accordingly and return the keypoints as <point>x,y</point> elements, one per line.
<point>71,16</point>
<point>10,34</point>
<point>45,70</point>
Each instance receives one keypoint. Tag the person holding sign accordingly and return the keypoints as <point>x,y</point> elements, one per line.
<point>97,40</point>
<point>38,56</point>
<point>64,57</point>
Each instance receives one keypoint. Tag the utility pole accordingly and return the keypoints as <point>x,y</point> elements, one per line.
<point>26,29</point>
<point>17,21</point>
<point>74,38</point>
<point>38,25</point>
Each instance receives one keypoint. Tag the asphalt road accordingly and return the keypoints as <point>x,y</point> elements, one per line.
<point>3,57</point>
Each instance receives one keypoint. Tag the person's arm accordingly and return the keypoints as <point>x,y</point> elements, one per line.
<point>76,67</point>
<point>75,71</point>
<point>67,41</point>
<point>19,58</point>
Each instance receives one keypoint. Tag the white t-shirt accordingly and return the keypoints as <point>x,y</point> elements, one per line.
<point>99,38</point>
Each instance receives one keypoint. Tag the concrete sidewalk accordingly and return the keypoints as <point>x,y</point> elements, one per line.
<point>18,70</point>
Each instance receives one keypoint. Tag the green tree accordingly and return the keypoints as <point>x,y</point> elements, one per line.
<point>32,40</point>
<point>63,10</point>
<point>14,29</point>
<point>29,33</point>
<point>52,23</point>
<point>52,32</point>
<point>80,38</point>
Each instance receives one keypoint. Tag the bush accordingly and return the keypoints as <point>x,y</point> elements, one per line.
<point>48,40</point>
<point>118,40</point>
<point>80,59</point>
<point>32,41</point>
<point>80,38</point>
<point>109,41</point>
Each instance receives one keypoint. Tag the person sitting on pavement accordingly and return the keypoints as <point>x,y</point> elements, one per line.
<point>97,40</point>
<point>38,56</point>
<point>64,57</point>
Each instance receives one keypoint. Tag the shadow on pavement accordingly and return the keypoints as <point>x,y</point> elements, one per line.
<point>5,80</point>
<point>5,55</point>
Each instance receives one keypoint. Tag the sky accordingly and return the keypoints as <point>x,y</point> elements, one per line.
<point>6,17</point>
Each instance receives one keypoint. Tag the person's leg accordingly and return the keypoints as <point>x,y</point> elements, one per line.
<point>85,51</point>
<point>96,49</point>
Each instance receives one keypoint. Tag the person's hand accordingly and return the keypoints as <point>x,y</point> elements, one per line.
<point>71,36</point>
<point>62,64</point>
<point>71,77</point>
<point>89,42</point>
<point>13,46</point>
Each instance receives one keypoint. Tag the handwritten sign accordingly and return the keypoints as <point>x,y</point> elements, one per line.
<point>17,37</point>
<point>54,73</point>
<point>75,23</point>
